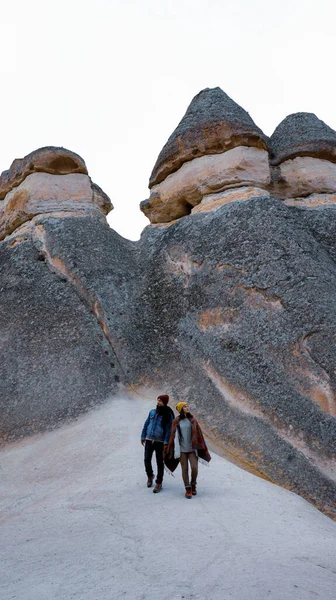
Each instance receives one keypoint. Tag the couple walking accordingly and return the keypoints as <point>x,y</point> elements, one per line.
<point>174,440</point>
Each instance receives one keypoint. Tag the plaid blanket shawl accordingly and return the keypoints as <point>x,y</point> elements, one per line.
<point>197,442</point>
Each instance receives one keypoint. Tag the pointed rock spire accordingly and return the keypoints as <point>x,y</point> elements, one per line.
<point>302,134</point>
<point>212,124</point>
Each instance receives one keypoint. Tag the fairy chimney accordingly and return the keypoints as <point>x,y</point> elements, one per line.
<point>215,147</point>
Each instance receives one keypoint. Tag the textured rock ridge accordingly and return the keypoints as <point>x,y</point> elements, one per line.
<point>195,180</point>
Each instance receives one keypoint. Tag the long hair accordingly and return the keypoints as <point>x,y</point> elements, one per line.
<point>182,415</point>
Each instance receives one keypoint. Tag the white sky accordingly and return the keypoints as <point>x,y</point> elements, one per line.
<point>111,79</point>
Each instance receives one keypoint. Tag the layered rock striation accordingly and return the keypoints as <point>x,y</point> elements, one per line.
<point>226,301</point>
<point>46,181</point>
<point>303,158</point>
<point>217,147</point>
<point>56,358</point>
<point>213,124</point>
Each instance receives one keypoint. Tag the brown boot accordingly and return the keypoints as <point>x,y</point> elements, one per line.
<point>188,491</point>
<point>150,481</point>
<point>157,488</point>
<point>193,489</point>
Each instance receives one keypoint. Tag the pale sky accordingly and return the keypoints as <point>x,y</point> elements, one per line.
<point>111,79</point>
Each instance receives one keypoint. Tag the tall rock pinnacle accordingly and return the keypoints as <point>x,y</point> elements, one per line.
<point>212,124</point>
<point>216,146</point>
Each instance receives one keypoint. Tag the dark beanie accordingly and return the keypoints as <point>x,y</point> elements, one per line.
<point>164,398</point>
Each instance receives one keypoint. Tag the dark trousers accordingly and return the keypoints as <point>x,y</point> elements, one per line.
<point>149,449</point>
<point>193,460</point>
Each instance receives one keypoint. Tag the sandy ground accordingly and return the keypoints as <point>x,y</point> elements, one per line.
<point>78,522</point>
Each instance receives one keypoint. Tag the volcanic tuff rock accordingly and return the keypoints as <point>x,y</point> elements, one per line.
<point>217,147</point>
<point>302,134</point>
<point>45,181</point>
<point>174,197</point>
<point>57,161</point>
<point>303,156</point>
<point>54,355</point>
<point>231,307</point>
<point>212,124</point>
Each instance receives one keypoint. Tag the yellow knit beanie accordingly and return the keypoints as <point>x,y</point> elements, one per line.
<point>180,405</point>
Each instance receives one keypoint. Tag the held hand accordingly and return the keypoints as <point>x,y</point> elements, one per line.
<point>142,442</point>
<point>165,448</point>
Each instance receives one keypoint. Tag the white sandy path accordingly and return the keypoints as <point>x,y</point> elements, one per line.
<point>77,522</point>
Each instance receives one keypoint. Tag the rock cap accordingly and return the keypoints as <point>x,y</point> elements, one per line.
<point>302,134</point>
<point>212,124</point>
<point>50,159</point>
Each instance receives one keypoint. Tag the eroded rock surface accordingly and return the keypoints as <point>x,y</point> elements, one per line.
<point>57,338</point>
<point>217,147</point>
<point>302,134</point>
<point>46,181</point>
<point>212,124</point>
<point>227,301</point>
<point>173,197</point>
<point>249,333</point>
<point>43,193</point>
<point>57,161</point>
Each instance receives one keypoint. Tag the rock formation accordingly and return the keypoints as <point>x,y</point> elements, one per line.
<point>216,146</point>
<point>303,157</point>
<point>227,300</point>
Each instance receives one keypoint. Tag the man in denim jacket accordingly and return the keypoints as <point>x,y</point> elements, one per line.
<point>155,436</point>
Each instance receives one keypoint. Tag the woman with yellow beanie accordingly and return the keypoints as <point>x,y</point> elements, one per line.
<point>186,445</point>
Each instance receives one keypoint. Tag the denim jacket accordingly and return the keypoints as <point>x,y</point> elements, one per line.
<point>153,430</point>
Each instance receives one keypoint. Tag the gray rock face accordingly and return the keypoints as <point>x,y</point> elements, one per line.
<point>212,124</point>
<point>302,134</point>
<point>57,356</point>
<point>248,334</point>
<point>231,308</point>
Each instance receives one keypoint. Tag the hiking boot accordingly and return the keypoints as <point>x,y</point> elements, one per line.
<point>193,489</point>
<point>150,482</point>
<point>188,491</point>
<point>157,488</point>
